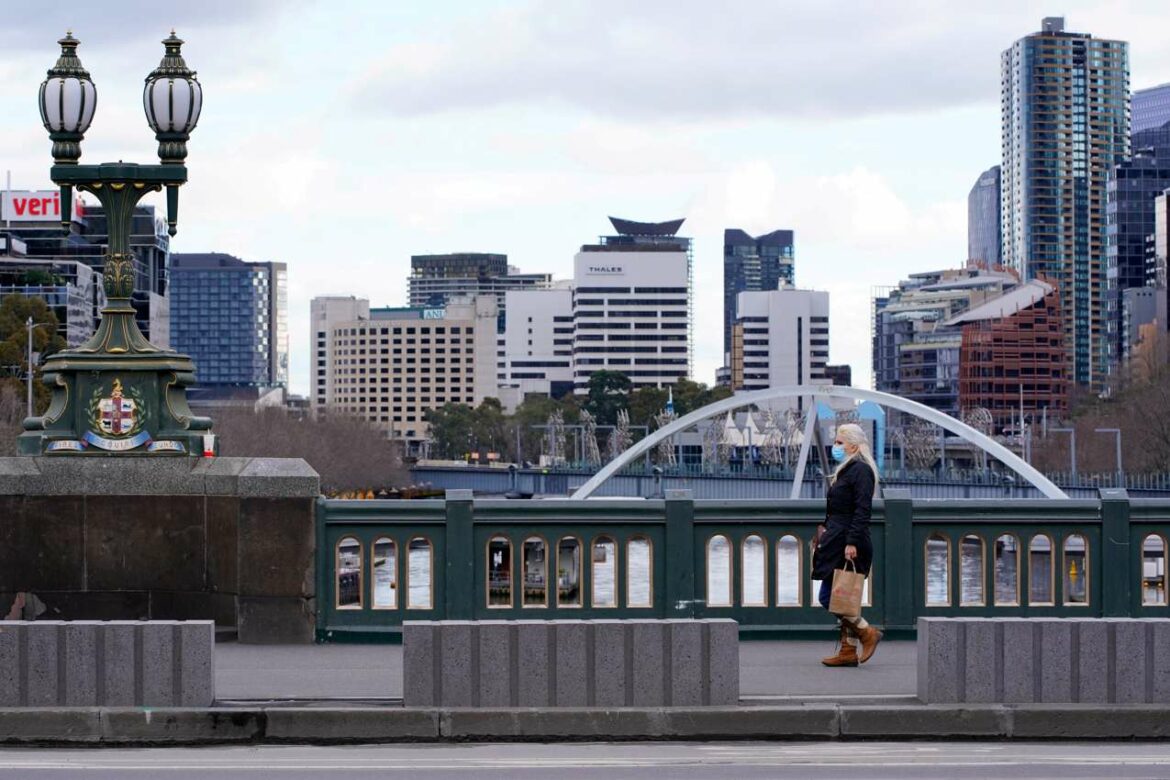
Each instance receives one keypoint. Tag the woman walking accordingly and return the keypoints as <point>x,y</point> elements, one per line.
<point>846,536</point>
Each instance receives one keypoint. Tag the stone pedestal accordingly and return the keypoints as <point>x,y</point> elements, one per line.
<point>123,538</point>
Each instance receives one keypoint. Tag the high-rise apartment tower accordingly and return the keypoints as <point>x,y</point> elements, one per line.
<point>1065,124</point>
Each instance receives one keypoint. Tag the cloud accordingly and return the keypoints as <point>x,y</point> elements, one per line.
<point>853,229</point>
<point>36,25</point>
<point>690,59</point>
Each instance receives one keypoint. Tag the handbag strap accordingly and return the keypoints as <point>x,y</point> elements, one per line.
<point>849,563</point>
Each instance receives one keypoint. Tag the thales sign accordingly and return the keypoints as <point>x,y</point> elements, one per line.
<point>604,270</point>
<point>36,206</point>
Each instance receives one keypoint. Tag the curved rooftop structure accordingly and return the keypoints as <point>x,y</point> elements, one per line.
<point>628,227</point>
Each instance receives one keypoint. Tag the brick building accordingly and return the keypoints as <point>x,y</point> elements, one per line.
<point>1012,356</point>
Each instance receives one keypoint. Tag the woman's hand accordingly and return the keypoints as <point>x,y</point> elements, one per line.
<point>850,552</point>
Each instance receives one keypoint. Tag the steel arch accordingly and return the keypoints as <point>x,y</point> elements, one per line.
<point>813,392</point>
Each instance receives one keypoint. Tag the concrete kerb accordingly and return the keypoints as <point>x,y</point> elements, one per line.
<point>370,724</point>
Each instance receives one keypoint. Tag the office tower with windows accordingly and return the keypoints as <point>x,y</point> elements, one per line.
<point>983,235</point>
<point>1132,188</point>
<point>1150,108</point>
<point>632,305</point>
<point>1065,125</point>
<point>390,366</point>
<point>436,279</point>
<point>753,264</point>
<point>231,317</point>
<point>780,337</point>
<point>915,353</point>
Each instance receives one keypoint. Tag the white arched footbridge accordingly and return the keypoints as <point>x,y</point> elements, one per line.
<point>813,393</point>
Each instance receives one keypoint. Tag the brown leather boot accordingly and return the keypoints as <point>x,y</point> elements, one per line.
<point>869,638</point>
<point>846,655</point>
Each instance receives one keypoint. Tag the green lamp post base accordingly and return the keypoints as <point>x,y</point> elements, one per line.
<point>118,393</point>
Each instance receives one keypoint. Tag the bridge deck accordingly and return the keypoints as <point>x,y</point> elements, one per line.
<point>768,669</point>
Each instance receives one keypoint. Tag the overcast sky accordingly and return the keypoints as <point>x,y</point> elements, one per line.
<point>343,137</point>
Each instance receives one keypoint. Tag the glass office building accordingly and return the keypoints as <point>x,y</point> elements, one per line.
<point>41,242</point>
<point>1065,125</point>
<point>1133,186</point>
<point>231,317</point>
<point>1150,108</point>
<point>753,264</point>
<point>983,219</point>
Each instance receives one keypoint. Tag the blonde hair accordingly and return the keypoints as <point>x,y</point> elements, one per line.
<point>852,433</point>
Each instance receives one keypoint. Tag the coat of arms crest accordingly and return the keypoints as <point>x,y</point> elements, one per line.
<point>116,421</point>
<point>117,414</point>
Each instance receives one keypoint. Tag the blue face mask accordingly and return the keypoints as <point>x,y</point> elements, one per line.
<point>839,453</point>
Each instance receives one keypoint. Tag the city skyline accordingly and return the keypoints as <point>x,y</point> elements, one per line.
<point>860,162</point>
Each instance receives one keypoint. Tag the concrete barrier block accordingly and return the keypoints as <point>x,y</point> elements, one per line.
<point>119,649</point>
<point>1019,661</point>
<point>534,663</point>
<point>722,662</point>
<point>609,663</point>
<point>648,666</point>
<point>983,654</point>
<point>570,663</point>
<point>11,663</point>
<point>686,663</point>
<point>196,663</point>
<point>938,660</point>
<point>574,663</point>
<point>495,664</point>
<point>157,642</point>
<point>1129,661</point>
<point>455,670</point>
<point>419,686</point>
<point>1092,650</point>
<point>1160,662</point>
<point>1055,661</point>
<point>40,663</point>
<point>80,642</point>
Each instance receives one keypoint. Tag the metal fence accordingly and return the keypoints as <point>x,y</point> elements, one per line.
<point>766,485</point>
<point>382,562</point>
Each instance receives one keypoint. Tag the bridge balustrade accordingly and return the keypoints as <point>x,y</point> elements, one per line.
<point>383,562</point>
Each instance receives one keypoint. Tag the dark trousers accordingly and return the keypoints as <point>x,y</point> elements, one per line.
<point>826,592</point>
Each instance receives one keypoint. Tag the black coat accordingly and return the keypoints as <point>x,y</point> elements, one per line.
<point>847,514</point>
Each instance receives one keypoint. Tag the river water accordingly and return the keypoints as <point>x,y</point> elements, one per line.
<point>1009,585</point>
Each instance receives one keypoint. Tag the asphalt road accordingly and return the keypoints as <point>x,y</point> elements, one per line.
<point>1058,761</point>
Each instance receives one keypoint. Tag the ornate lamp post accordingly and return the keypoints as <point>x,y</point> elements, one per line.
<point>118,393</point>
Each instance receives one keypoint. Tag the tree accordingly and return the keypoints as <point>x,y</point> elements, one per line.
<point>645,404</point>
<point>14,313</point>
<point>346,451</point>
<point>608,393</point>
<point>534,410</point>
<point>11,415</point>
<point>452,430</point>
<point>488,428</point>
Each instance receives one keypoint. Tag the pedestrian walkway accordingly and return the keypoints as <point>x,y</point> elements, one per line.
<point>769,670</point>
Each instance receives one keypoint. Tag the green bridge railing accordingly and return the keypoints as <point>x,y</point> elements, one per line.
<point>382,562</point>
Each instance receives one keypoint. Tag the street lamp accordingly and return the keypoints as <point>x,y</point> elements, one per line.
<point>1072,448</point>
<point>1120,472</point>
<point>118,393</point>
